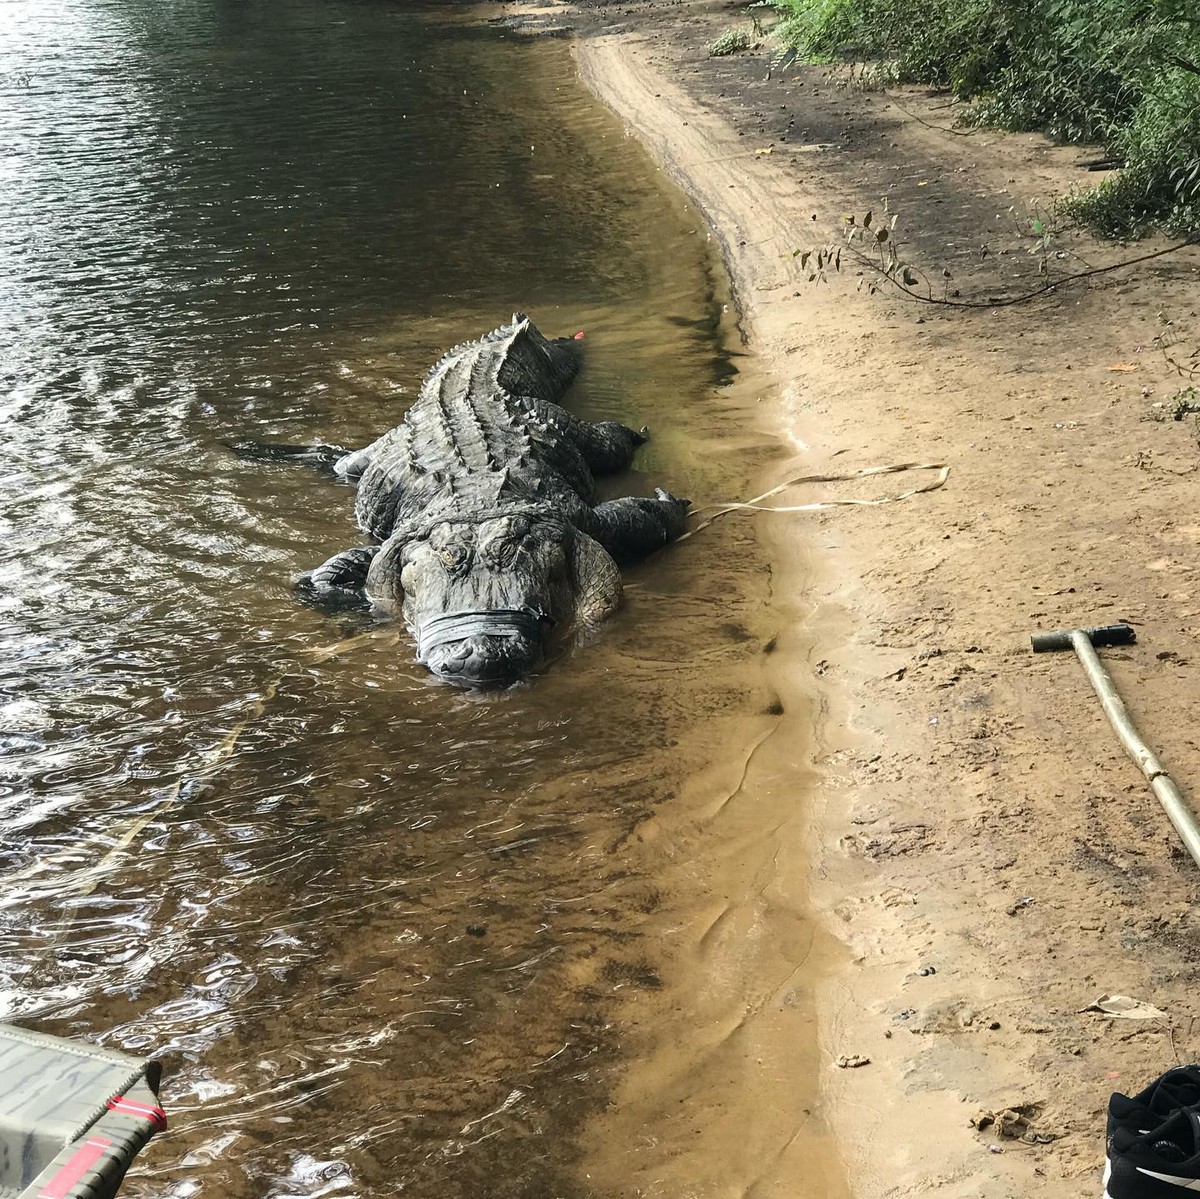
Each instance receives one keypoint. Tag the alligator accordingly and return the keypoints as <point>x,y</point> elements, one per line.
<point>482,508</point>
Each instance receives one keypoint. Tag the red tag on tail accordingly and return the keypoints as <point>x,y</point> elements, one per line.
<point>579,335</point>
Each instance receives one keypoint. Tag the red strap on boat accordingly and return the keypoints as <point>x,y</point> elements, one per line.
<point>75,1167</point>
<point>144,1111</point>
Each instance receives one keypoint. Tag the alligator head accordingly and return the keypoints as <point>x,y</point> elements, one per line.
<point>482,595</point>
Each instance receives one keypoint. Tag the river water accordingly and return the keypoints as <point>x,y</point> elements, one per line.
<point>379,932</point>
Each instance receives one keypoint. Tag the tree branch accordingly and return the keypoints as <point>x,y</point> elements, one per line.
<point>1008,301</point>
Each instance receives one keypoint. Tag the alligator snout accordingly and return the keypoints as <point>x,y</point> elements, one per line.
<point>484,661</point>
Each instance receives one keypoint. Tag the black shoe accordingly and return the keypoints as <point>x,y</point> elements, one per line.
<point>1163,1164</point>
<point>1145,1111</point>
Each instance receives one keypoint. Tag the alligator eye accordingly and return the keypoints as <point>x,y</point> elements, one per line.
<point>501,551</point>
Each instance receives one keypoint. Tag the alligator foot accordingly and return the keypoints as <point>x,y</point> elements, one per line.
<point>634,526</point>
<point>309,455</point>
<point>339,583</point>
<point>606,445</point>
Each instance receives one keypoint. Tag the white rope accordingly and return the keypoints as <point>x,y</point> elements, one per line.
<point>756,504</point>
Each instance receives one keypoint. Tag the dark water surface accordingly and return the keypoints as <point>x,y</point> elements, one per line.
<point>377,930</point>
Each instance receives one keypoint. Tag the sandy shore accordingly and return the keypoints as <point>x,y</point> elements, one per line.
<point>967,861</point>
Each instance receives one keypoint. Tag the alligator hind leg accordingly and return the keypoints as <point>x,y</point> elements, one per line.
<point>606,445</point>
<point>634,526</point>
<point>339,582</point>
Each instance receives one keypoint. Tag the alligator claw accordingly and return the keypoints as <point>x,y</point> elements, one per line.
<point>668,498</point>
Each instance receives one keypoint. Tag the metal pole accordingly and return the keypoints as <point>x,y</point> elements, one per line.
<point>1176,808</point>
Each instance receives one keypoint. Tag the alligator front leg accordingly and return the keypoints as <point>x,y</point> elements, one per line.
<point>634,526</point>
<point>340,582</point>
<point>324,456</point>
<point>596,583</point>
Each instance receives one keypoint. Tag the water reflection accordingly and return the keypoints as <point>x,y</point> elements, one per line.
<point>376,928</point>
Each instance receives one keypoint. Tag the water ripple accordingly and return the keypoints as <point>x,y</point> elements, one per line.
<point>364,920</point>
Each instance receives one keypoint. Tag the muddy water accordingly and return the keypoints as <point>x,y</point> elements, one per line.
<point>380,933</point>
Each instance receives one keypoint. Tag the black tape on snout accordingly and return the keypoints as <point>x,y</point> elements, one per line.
<point>500,622</point>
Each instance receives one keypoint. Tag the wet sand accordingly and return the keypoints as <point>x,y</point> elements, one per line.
<point>725,1095</point>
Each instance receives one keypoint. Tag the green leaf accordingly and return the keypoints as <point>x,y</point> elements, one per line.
<point>881,234</point>
<point>867,219</point>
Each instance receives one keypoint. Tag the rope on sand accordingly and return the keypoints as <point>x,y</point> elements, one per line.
<point>756,504</point>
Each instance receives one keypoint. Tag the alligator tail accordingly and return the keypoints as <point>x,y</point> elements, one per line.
<point>564,354</point>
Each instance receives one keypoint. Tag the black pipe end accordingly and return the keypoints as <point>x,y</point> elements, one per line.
<point>1110,634</point>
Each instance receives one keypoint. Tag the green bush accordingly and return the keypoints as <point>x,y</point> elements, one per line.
<point>1125,73</point>
<point>730,42</point>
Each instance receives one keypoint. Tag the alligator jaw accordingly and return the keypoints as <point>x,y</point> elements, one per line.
<point>482,649</point>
